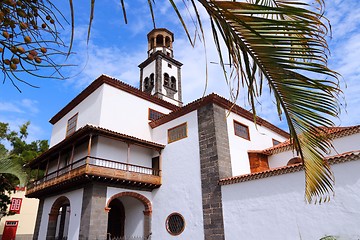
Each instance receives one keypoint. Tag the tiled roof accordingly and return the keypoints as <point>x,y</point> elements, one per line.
<point>85,131</point>
<point>334,132</point>
<point>115,83</point>
<point>222,102</point>
<point>344,157</point>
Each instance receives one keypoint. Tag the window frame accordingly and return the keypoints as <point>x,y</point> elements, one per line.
<point>15,205</point>
<point>167,224</point>
<point>149,114</point>
<point>275,142</point>
<point>177,126</point>
<point>243,125</point>
<point>72,130</point>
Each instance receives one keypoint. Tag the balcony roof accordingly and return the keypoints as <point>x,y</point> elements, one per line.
<point>84,132</point>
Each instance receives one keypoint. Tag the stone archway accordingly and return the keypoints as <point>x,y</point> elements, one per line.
<point>147,208</point>
<point>58,219</point>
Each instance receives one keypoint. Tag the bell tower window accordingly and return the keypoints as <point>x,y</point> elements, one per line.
<point>146,83</point>
<point>166,80</point>
<point>159,40</point>
<point>173,83</point>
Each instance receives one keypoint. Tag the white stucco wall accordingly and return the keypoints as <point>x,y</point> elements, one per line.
<point>125,113</point>
<point>274,208</point>
<point>260,138</point>
<point>341,145</point>
<point>181,182</point>
<point>345,144</point>
<point>117,151</point>
<point>280,159</point>
<point>27,216</point>
<point>75,197</point>
<point>89,112</point>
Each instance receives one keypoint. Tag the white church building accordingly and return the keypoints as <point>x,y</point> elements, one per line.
<point>135,163</point>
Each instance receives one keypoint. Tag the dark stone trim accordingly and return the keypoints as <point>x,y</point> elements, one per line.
<point>215,164</point>
<point>179,86</point>
<point>158,76</point>
<point>141,79</point>
<point>38,219</point>
<point>94,218</point>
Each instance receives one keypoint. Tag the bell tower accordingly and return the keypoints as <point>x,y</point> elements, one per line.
<point>160,73</point>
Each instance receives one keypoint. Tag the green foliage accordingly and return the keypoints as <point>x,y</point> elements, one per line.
<point>6,188</point>
<point>12,160</point>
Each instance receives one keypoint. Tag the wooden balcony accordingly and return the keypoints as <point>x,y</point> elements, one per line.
<point>90,169</point>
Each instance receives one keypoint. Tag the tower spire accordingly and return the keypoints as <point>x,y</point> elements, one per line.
<point>160,73</point>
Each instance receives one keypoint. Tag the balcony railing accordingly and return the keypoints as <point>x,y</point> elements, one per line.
<point>98,167</point>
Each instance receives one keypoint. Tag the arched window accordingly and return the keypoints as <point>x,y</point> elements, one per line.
<point>294,160</point>
<point>173,82</point>
<point>159,40</point>
<point>59,218</point>
<point>167,42</point>
<point>166,80</point>
<point>146,83</point>
<point>152,42</point>
<point>151,80</point>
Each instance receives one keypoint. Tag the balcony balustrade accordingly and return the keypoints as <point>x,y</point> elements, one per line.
<point>99,169</point>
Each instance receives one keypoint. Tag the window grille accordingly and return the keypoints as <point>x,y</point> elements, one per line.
<point>241,130</point>
<point>175,224</point>
<point>71,126</point>
<point>177,133</point>
<point>153,114</point>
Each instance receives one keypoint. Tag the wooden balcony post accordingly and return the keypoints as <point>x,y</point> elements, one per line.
<point>89,150</point>
<point>72,156</point>
<point>128,157</point>
<point>58,164</point>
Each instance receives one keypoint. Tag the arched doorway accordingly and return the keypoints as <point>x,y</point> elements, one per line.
<point>116,219</point>
<point>137,211</point>
<point>59,218</point>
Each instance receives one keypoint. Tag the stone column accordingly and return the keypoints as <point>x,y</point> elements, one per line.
<point>94,218</point>
<point>215,164</point>
<point>38,219</point>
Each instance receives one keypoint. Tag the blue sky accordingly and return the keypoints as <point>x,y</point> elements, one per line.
<point>116,49</point>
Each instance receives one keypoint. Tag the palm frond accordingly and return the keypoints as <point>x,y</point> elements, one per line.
<point>284,43</point>
<point>8,165</point>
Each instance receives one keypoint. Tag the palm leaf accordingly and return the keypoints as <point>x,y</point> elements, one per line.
<point>8,165</point>
<point>284,42</point>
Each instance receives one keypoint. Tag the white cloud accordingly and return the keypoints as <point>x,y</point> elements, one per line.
<point>9,107</point>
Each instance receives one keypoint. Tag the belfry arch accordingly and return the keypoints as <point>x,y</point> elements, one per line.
<point>145,202</point>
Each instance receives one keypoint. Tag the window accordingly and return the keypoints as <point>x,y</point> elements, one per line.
<point>294,160</point>
<point>151,80</point>
<point>169,65</point>
<point>166,80</point>
<point>275,142</point>
<point>15,205</point>
<point>153,114</point>
<point>241,130</point>
<point>175,224</point>
<point>146,83</point>
<point>177,133</point>
<point>71,126</point>
<point>173,83</point>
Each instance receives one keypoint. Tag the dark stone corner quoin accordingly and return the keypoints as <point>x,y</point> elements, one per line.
<point>215,164</point>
